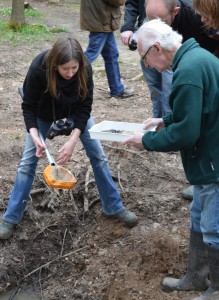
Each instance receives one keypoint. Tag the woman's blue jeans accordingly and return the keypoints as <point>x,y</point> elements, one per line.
<point>104,43</point>
<point>159,85</point>
<point>204,213</point>
<point>109,195</point>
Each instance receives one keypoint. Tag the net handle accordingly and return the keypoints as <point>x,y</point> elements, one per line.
<point>49,156</point>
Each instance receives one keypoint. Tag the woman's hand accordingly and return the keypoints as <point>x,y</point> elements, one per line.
<point>40,148</point>
<point>157,122</point>
<point>135,141</point>
<point>67,149</point>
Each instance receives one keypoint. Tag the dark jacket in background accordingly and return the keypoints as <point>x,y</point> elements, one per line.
<point>134,15</point>
<point>37,103</point>
<point>187,22</point>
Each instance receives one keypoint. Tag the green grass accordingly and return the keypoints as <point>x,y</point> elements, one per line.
<point>5,11</point>
<point>29,12</point>
<point>28,32</point>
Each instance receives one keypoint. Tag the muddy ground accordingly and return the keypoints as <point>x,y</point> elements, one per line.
<point>61,250</point>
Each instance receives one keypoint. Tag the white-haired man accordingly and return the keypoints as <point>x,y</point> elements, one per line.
<point>192,128</point>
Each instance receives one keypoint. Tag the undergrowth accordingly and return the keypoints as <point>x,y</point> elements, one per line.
<point>17,33</point>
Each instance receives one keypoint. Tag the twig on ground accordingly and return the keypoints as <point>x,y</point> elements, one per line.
<point>86,203</point>
<point>94,202</point>
<point>119,180</point>
<point>15,293</point>
<point>43,229</point>
<point>53,260</point>
<point>127,150</point>
<point>63,242</point>
<point>74,204</point>
<point>37,191</point>
<point>40,283</point>
<point>52,200</point>
<point>137,78</point>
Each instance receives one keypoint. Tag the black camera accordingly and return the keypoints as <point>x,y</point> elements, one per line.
<point>133,45</point>
<point>61,127</point>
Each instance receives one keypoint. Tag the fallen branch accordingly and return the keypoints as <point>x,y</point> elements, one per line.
<point>86,203</point>
<point>63,242</point>
<point>119,180</point>
<point>137,78</point>
<point>55,259</point>
<point>126,150</point>
<point>42,230</point>
<point>74,204</point>
<point>94,202</point>
<point>37,191</point>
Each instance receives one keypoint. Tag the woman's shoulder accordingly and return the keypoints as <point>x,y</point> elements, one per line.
<point>38,61</point>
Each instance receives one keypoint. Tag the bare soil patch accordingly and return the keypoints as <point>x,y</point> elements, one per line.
<point>61,251</point>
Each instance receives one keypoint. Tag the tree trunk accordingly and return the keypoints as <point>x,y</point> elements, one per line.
<point>17,13</point>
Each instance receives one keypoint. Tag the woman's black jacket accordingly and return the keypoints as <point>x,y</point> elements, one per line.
<point>38,103</point>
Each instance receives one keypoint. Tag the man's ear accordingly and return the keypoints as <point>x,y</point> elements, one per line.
<point>176,11</point>
<point>157,47</point>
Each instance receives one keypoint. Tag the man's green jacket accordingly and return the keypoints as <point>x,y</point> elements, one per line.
<point>193,126</point>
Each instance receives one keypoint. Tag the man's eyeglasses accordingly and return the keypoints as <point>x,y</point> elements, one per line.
<point>145,56</point>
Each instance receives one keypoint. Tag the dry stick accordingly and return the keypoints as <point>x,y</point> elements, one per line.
<point>127,150</point>
<point>37,191</point>
<point>86,204</point>
<point>138,153</point>
<point>63,242</point>
<point>101,89</point>
<point>86,184</point>
<point>137,78</point>
<point>42,230</point>
<point>94,202</point>
<point>40,279</point>
<point>119,179</point>
<point>74,204</point>
<point>15,293</point>
<point>55,259</point>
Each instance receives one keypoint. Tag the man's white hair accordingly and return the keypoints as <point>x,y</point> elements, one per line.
<point>156,31</point>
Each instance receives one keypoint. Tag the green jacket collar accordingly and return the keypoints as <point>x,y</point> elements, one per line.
<point>186,46</point>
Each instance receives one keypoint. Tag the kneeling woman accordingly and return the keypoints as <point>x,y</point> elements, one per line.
<point>59,85</point>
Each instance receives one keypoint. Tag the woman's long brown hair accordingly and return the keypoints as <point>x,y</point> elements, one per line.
<point>63,51</point>
<point>208,8</point>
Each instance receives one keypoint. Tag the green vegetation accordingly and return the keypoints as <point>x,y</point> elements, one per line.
<point>28,32</point>
<point>5,11</point>
<point>28,12</point>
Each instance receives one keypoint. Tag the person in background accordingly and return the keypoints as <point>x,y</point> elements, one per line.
<point>59,85</point>
<point>158,83</point>
<point>192,128</point>
<point>101,18</point>
<point>181,16</point>
<point>209,11</point>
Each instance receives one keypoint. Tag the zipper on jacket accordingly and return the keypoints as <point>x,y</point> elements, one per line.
<point>212,166</point>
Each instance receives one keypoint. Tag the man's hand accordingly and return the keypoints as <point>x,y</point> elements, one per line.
<point>126,37</point>
<point>135,141</point>
<point>154,122</point>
